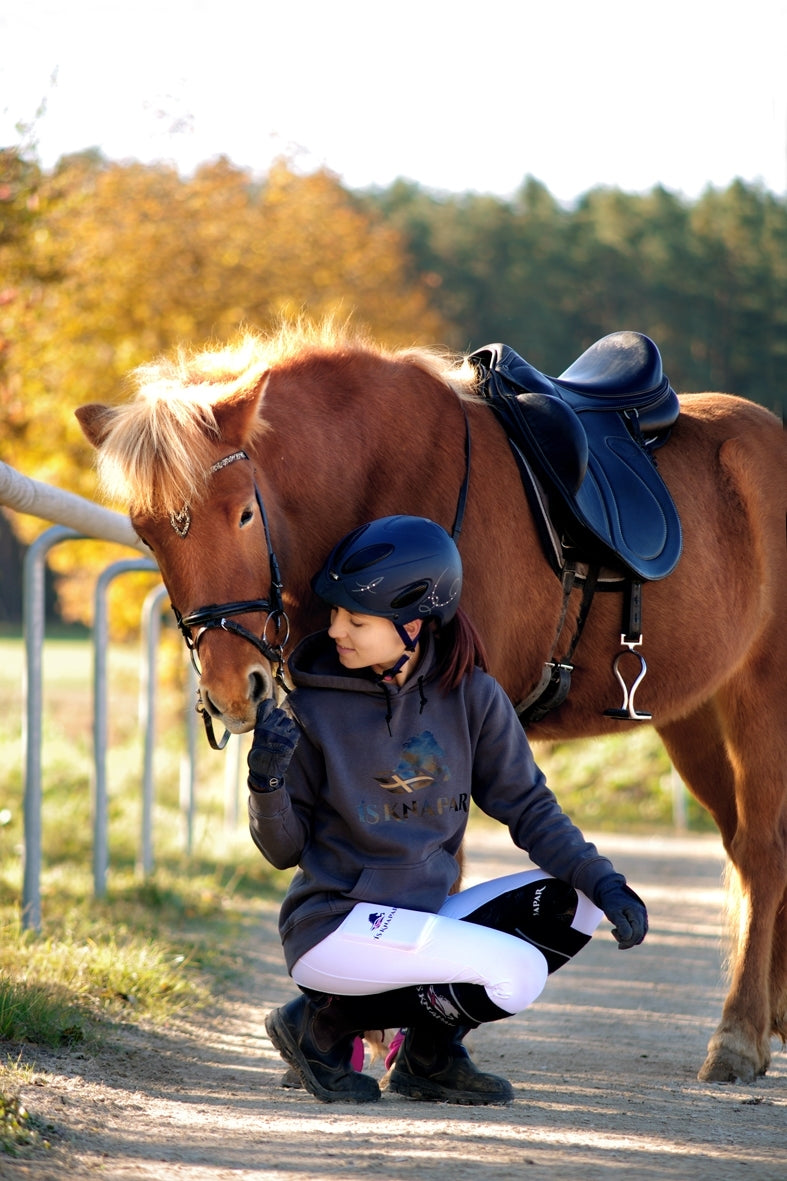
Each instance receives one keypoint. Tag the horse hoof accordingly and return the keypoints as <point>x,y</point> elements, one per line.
<point>727,1066</point>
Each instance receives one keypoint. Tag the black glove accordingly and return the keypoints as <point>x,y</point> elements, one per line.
<point>275,738</point>
<point>624,909</point>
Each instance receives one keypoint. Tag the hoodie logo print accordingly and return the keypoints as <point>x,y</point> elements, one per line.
<point>421,763</point>
<point>400,787</point>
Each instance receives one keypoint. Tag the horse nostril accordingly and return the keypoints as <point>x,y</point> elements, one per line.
<point>260,687</point>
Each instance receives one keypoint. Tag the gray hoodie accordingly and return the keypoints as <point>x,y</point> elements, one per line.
<point>376,798</point>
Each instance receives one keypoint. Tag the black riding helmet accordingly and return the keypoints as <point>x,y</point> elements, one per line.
<point>401,568</point>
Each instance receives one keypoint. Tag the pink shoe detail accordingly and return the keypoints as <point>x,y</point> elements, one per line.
<point>356,1061</point>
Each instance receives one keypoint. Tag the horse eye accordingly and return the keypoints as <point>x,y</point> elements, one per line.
<point>246,516</point>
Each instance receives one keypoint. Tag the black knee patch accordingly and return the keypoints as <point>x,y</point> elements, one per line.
<point>541,913</point>
<point>461,1004</point>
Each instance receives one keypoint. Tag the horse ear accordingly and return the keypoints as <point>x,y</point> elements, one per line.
<point>238,416</point>
<point>95,421</point>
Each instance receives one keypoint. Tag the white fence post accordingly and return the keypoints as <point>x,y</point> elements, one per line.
<point>75,518</point>
<point>187,797</point>
<point>33,625</point>
<point>151,630</point>
<point>100,714</point>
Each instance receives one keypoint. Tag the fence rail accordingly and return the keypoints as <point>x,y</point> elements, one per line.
<point>26,495</point>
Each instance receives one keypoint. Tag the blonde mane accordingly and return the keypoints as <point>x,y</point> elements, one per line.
<point>159,446</point>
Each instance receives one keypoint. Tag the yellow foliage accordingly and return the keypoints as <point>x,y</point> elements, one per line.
<point>120,262</point>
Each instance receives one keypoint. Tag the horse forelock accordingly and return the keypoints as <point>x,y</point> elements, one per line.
<point>157,453</point>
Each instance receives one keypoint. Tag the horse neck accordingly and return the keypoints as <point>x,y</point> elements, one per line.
<point>348,444</point>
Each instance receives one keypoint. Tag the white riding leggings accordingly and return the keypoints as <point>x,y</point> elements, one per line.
<point>378,948</point>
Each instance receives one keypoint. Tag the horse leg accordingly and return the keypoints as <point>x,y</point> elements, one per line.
<point>732,756</point>
<point>756,1007</point>
<point>699,753</point>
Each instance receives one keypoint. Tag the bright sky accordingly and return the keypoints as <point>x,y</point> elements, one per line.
<point>454,95</point>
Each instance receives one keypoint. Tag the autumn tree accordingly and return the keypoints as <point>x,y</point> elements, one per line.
<point>128,261</point>
<point>707,280</point>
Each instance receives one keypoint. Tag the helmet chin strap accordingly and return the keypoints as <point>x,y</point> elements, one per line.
<point>410,645</point>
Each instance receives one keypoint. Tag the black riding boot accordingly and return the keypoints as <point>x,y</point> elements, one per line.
<point>433,1065</point>
<point>315,1033</point>
<point>312,1035</point>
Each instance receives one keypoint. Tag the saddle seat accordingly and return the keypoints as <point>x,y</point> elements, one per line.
<point>584,444</point>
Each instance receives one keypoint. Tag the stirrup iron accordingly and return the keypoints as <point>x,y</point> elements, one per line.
<point>627,712</point>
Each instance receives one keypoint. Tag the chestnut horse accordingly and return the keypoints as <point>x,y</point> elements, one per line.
<point>339,431</point>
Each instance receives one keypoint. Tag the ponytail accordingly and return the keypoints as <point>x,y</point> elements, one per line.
<point>460,649</point>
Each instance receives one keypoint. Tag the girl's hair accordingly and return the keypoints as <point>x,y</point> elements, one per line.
<point>459,650</point>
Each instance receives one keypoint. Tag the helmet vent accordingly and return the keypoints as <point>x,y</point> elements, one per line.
<point>410,594</point>
<point>366,557</point>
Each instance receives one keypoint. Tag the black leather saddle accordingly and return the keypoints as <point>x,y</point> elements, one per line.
<point>584,443</point>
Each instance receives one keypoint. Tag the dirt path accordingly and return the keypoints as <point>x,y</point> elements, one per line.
<point>604,1068</point>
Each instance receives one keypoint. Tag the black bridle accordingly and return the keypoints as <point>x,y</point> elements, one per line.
<point>220,614</point>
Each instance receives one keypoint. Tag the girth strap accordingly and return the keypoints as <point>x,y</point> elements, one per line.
<point>555,683</point>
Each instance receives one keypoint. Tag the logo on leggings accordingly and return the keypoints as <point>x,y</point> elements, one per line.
<point>438,1006</point>
<point>380,921</point>
<point>537,901</point>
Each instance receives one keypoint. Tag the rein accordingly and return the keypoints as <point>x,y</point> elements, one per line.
<point>456,528</point>
<point>220,614</point>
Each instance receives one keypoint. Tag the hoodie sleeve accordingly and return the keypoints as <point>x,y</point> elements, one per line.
<point>280,821</point>
<point>510,787</point>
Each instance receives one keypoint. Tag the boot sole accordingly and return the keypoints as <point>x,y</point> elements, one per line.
<point>427,1091</point>
<point>279,1033</point>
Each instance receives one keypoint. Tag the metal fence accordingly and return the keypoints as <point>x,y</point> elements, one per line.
<point>81,519</point>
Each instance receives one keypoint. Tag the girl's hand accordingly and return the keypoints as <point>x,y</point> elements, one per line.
<point>275,738</point>
<point>624,909</point>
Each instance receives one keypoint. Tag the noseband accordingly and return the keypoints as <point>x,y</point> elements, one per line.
<point>219,614</point>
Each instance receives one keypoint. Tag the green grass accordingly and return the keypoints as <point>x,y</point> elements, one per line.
<point>620,783</point>
<point>153,946</point>
<point>20,1131</point>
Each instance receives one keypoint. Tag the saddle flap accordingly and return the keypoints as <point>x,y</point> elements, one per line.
<point>625,505</point>
<point>552,433</point>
